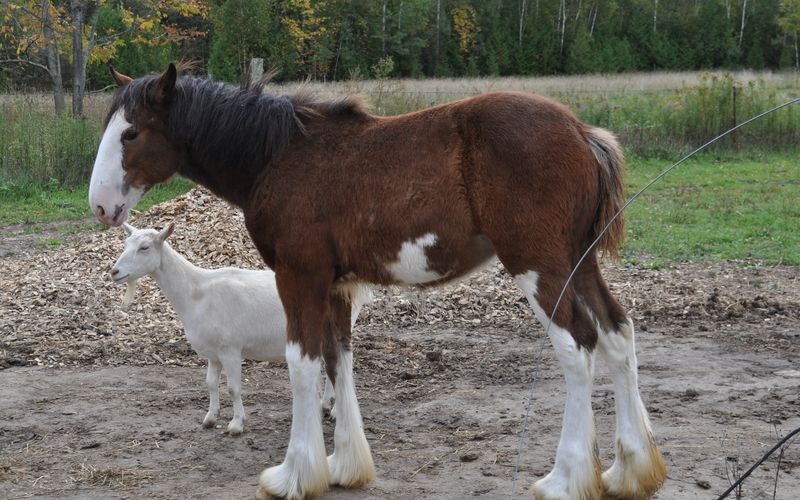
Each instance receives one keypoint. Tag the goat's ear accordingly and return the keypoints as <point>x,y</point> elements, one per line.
<point>128,228</point>
<point>164,86</point>
<point>164,234</point>
<point>121,79</point>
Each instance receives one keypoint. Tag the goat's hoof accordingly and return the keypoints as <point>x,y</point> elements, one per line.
<point>329,413</point>
<point>235,428</point>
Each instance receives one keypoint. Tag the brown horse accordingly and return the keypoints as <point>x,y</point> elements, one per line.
<point>334,196</point>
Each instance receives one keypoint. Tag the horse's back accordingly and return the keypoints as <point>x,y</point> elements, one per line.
<point>446,185</point>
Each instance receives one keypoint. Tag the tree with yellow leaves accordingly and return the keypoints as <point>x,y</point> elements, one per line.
<point>41,34</point>
<point>466,26</point>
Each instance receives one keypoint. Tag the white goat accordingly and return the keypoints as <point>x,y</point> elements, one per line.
<point>229,314</point>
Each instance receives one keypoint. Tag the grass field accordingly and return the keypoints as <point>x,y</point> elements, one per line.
<point>735,207</point>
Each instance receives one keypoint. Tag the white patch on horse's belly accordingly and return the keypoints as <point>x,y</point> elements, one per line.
<point>411,267</point>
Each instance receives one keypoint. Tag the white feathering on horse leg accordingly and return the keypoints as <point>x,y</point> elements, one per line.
<point>304,472</point>
<point>351,463</point>
<point>576,473</point>
<point>638,469</point>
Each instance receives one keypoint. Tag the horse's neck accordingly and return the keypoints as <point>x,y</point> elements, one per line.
<point>220,173</point>
<point>230,183</point>
<point>177,278</point>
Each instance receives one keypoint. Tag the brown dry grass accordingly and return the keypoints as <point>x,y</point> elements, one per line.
<point>111,477</point>
<point>597,85</point>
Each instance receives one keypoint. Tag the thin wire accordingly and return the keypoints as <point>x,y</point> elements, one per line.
<point>755,465</point>
<point>586,253</point>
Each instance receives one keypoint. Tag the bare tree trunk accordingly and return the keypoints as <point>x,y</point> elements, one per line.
<point>562,10</point>
<point>438,11</point>
<point>655,15</point>
<point>594,19</point>
<point>400,16</point>
<point>80,55</point>
<point>77,8</point>
<point>53,62</point>
<point>741,33</point>
<point>523,5</point>
<point>338,53</point>
<point>383,28</point>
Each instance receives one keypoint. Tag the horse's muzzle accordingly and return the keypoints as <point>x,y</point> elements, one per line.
<point>115,219</point>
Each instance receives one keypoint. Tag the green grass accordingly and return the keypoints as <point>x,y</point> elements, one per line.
<point>745,207</point>
<point>30,203</point>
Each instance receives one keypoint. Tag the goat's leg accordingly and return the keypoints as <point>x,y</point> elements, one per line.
<point>212,381</point>
<point>328,397</point>
<point>233,376</point>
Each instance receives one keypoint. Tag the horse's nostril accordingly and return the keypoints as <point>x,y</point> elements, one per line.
<point>114,272</point>
<point>118,210</point>
<point>100,210</point>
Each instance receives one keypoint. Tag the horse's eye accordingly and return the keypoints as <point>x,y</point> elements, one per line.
<point>144,248</point>
<point>129,135</point>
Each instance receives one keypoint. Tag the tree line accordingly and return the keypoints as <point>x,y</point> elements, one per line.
<point>47,42</point>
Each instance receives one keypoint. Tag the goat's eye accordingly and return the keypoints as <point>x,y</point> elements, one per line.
<point>129,135</point>
<point>144,248</point>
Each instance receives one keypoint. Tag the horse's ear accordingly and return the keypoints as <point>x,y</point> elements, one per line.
<point>166,232</point>
<point>121,79</point>
<point>161,91</point>
<point>128,228</point>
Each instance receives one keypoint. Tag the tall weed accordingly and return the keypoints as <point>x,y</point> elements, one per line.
<point>40,148</point>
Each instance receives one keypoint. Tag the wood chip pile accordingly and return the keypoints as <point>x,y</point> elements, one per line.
<point>60,307</point>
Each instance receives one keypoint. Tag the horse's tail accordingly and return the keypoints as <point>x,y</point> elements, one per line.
<point>611,161</point>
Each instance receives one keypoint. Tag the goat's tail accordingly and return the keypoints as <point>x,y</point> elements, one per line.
<point>357,295</point>
<point>611,194</point>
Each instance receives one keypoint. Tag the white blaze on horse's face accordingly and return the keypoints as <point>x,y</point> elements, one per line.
<point>110,197</point>
<point>411,267</point>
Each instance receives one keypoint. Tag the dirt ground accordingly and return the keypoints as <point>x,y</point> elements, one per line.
<point>100,403</point>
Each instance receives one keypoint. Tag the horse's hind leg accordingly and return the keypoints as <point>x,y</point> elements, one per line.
<point>576,473</point>
<point>638,469</point>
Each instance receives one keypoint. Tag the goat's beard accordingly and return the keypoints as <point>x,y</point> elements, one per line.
<point>130,293</point>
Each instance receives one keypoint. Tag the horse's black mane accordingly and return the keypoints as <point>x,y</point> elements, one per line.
<point>230,125</point>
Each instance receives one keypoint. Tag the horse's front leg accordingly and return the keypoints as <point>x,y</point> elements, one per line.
<point>304,471</point>
<point>351,463</point>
